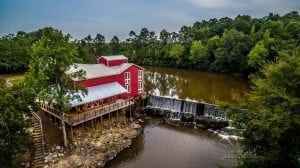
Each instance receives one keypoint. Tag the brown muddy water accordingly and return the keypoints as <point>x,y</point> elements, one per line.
<point>163,146</point>
<point>194,85</point>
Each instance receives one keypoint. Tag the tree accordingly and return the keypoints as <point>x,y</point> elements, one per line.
<point>197,51</point>
<point>52,57</point>
<point>231,55</point>
<point>212,45</point>
<point>14,138</point>
<point>99,42</point>
<point>115,45</point>
<point>257,55</point>
<point>176,52</point>
<point>294,30</point>
<point>164,36</point>
<point>14,52</point>
<point>271,122</point>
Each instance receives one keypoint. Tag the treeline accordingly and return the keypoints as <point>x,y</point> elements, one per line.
<point>238,46</point>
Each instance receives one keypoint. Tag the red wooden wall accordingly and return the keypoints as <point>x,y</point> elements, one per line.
<point>102,60</point>
<point>120,78</point>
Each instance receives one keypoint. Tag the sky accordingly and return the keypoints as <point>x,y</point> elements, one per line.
<point>119,17</point>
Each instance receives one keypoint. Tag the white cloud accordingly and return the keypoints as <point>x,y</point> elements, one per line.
<point>211,3</point>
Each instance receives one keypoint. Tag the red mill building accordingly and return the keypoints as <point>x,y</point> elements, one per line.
<point>111,84</point>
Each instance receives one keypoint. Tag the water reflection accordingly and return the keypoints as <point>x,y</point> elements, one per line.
<point>194,85</point>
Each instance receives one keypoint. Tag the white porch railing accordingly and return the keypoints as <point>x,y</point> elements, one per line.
<point>78,118</point>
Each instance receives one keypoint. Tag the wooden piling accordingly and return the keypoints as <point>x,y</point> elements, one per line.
<point>117,115</point>
<point>83,127</point>
<point>130,111</point>
<point>72,134</point>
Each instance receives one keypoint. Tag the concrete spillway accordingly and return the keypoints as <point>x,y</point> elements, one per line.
<point>175,108</point>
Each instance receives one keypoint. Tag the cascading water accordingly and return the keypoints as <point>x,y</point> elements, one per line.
<point>213,111</point>
<point>175,108</point>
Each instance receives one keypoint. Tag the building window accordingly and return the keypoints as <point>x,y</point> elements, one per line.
<point>140,75</point>
<point>127,78</point>
<point>140,87</point>
<point>127,87</point>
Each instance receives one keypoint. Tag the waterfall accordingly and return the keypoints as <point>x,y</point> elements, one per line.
<point>175,108</point>
<point>213,111</point>
<point>189,107</point>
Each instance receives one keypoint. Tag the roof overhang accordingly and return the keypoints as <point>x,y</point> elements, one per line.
<point>99,92</point>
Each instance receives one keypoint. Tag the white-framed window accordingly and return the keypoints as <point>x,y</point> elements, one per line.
<point>140,87</point>
<point>127,78</point>
<point>128,88</point>
<point>140,75</point>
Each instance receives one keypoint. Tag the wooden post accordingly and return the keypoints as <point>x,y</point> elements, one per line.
<point>83,127</point>
<point>124,115</point>
<point>72,134</point>
<point>93,123</point>
<point>130,111</point>
<point>117,115</point>
<point>101,120</point>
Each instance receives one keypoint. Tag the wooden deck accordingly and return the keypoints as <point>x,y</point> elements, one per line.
<point>78,118</point>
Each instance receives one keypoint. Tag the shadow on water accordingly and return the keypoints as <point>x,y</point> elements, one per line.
<point>130,154</point>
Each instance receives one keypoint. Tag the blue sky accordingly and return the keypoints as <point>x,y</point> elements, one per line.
<point>119,17</point>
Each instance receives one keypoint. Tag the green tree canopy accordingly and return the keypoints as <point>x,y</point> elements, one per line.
<point>257,55</point>
<point>176,52</point>
<point>52,57</point>
<point>231,56</point>
<point>14,139</point>
<point>271,122</point>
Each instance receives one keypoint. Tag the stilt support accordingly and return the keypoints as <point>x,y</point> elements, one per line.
<point>72,133</point>
<point>130,111</point>
<point>117,115</point>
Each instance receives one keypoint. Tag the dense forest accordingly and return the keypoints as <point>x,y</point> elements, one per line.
<point>236,46</point>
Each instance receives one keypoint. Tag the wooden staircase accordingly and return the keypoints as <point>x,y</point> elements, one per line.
<point>37,135</point>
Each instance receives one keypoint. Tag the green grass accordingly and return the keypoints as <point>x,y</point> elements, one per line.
<point>13,78</point>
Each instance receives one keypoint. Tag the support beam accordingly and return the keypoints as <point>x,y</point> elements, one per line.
<point>124,113</point>
<point>117,115</point>
<point>83,127</point>
<point>130,111</point>
<point>72,133</point>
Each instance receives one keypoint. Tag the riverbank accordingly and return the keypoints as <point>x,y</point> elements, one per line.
<point>94,147</point>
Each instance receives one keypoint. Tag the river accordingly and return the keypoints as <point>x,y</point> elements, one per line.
<point>194,85</point>
<point>163,146</point>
